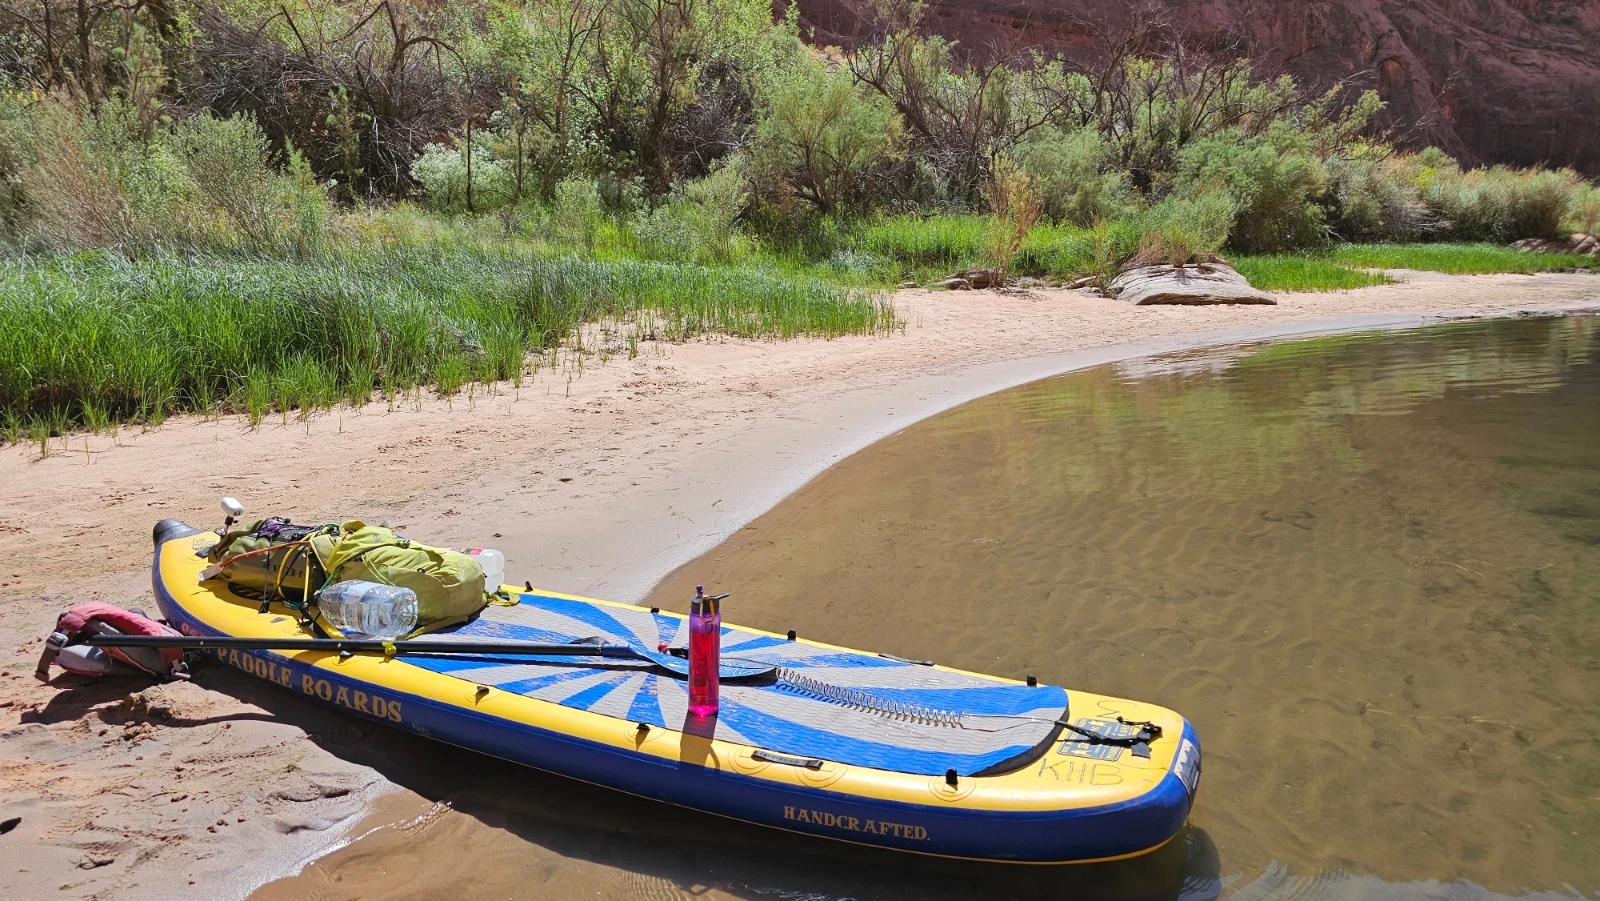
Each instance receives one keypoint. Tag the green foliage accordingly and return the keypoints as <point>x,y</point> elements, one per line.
<point>822,138</point>
<point>698,222</point>
<point>442,173</point>
<point>84,177</point>
<point>958,113</point>
<point>234,168</point>
<point>1500,204</point>
<point>1014,209</point>
<point>1457,259</point>
<point>1586,209</point>
<point>575,212</point>
<point>1427,195</point>
<point>1303,272</point>
<point>935,244</point>
<point>96,333</point>
<point>1181,230</point>
<point>1275,180</point>
<point>1073,175</point>
<point>1378,200</point>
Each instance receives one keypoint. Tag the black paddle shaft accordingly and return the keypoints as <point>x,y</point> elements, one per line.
<point>399,646</point>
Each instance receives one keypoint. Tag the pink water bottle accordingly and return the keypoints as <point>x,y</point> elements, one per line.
<point>705,651</point>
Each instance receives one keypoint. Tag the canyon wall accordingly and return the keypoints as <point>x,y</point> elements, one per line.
<point>1490,81</point>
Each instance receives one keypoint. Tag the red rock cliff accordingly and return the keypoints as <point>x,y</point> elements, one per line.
<point>1491,81</point>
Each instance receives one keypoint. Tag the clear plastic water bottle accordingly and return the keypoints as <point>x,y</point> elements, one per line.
<point>493,563</point>
<point>369,610</point>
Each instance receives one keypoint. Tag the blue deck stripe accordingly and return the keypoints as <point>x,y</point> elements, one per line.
<point>647,703</point>
<point>592,614</point>
<point>529,686</point>
<point>587,698</point>
<point>754,644</point>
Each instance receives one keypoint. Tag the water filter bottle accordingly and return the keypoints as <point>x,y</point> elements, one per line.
<point>369,610</point>
<point>705,652</point>
<point>493,563</point>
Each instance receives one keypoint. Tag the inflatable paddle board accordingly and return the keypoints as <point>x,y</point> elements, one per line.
<point>844,744</point>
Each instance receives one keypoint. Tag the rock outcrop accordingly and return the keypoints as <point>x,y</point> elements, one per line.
<point>1579,244</point>
<point>1205,283</point>
<point>1489,81</point>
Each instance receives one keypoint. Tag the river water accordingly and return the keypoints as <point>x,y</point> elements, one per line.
<point>1366,567</point>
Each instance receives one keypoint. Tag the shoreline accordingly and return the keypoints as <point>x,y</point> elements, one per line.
<point>600,486</point>
<point>876,418</point>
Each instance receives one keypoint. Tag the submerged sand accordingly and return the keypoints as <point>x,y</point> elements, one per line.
<point>597,480</point>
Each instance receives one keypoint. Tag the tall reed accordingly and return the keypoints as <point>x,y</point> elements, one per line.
<point>94,338</point>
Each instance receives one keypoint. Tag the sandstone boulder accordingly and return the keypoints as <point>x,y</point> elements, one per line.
<point>1205,283</point>
<point>1580,244</point>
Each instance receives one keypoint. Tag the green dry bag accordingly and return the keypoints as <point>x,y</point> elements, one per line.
<point>448,584</point>
<point>269,556</point>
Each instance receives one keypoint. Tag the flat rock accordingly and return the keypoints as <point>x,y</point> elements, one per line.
<point>1204,283</point>
<point>1578,244</point>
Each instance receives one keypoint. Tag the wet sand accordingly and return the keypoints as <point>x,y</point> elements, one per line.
<point>599,484</point>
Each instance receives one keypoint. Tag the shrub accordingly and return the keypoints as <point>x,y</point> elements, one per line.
<point>718,198</point>
<point>575,213</point>
<point>67,165</point>
<point>1586,208</point>
<point>1499,204</point>
<point>1181,230</point>
<point>1275,180</point>
<point>1070,173</point>
<point>697,222</point>
<point>1014,210</point>
<point>442,172</point>
<point>232,165</point>
<point>84,178</point>
<point>1378,200</point>
<point>822,139</point>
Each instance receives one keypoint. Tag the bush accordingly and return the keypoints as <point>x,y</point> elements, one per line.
<point>442,172</point>
<point>232,165</point>
<point>1275,180</point>
<point>575,211</point>
<point>1586,209</point>
<point>1070,174</point>
<point>84,178</point>
<point>1014,209</point>
<point>1378,200</point>
<point>822,139</point>
<point>697,223</point>
<point>1500,204</point>
<point>1181,230</point>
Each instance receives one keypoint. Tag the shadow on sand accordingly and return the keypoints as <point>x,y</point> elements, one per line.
<point>684,852</point>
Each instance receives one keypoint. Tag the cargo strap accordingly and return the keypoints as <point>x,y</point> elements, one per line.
<point>1139,741</point>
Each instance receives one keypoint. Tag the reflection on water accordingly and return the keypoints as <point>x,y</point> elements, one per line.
<point>1367,568</point>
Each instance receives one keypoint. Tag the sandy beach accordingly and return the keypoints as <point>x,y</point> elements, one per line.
<point>595,478</point>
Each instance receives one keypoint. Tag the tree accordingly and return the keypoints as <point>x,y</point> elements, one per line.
<point>823,137</point>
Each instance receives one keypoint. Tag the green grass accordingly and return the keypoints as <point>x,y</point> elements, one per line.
<point>924,249</point>
<point>94,339</point>
<point>1340,270</point>
<point>1291,272</point>
<point>913,244</point>
<point>1457,259</point>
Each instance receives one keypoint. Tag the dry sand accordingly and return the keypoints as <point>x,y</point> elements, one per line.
<point>596,482</point>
